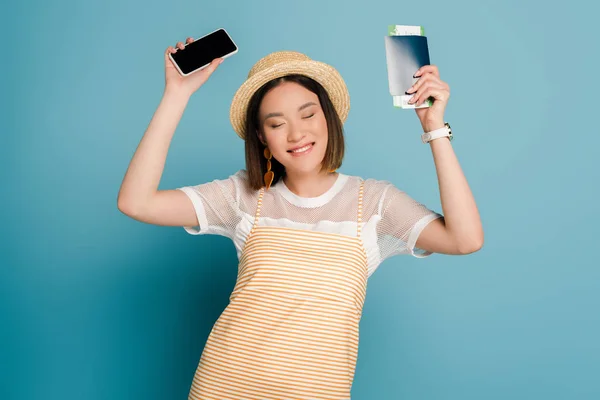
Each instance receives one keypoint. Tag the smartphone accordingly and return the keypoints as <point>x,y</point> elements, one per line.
<point>199,53</point>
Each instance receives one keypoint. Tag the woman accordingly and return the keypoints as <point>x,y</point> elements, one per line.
<point>307,237</point>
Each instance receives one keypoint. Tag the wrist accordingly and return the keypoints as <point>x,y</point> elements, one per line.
<point>176,93</point>
<point>432,125</point>
<point>431,135</point>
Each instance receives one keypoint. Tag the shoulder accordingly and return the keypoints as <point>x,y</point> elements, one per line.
<point>245,195</point>
<point>241,174</point>
<point>375,191</point>
<point>380,194</point>
<point>374,188</point>
<point>234,184</point>
<point>381,187</point>
<point>238,178</point>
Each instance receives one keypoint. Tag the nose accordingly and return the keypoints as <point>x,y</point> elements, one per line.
<point>295,133</point>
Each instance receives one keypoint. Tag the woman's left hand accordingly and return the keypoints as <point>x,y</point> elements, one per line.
<point>430,85</point>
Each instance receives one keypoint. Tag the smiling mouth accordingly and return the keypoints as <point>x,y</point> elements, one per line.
<point>302,149</point>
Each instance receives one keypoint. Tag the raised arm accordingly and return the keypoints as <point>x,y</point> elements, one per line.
<point>460,231</point>
<point>139,196</point>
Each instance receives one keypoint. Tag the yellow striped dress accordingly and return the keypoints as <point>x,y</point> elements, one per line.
<point>290,330</point>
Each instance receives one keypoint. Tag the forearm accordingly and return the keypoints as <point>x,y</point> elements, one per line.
<point>147,164</point>
<point>460,211</point>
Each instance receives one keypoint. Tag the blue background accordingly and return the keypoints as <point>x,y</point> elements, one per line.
<point>95,305</point>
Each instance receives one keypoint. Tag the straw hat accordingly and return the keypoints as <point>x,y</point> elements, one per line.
<point>283,63</point>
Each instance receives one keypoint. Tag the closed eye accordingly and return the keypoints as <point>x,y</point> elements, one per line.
<point>307,117</point>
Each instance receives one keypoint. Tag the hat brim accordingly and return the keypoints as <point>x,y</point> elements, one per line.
<point>326,75</point>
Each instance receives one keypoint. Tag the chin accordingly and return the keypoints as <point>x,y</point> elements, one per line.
<point>304,168</point>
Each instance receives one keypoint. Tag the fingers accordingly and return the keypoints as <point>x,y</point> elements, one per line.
<point>430,89</point>
<point>426,77</point>
<point>213,65</point>
<point>178,46</point>
<point>429,85</point>
<point>427,68</point>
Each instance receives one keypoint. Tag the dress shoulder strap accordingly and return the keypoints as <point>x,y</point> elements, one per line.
<point>360,203</point>
<point>258,205</point>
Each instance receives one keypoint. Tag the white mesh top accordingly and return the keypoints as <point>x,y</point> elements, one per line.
<point>391,219</point>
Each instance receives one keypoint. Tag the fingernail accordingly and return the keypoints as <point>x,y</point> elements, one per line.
<point>221,61</point>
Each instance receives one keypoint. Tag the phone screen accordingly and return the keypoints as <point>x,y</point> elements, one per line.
<point>202,51</point>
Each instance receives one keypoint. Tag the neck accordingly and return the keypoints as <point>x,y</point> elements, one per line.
<point>311,184</point>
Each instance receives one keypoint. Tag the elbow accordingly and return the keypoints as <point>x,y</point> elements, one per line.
<point>132,206</point>
<point>122,206</point>
<point>470,246</point>
<point>125,207</point>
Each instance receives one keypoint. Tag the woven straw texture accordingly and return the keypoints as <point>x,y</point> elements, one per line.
<point>282,63</point>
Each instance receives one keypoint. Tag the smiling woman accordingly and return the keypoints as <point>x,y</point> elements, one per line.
<point>307,237</point>
<point>309,119</point>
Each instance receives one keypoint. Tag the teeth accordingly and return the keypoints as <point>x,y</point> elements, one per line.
<point>300,150</point>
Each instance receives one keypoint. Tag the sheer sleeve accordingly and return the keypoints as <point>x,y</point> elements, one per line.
<point>402,220</point>
<point>217,205</point>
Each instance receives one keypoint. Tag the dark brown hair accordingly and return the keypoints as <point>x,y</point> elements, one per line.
<point>256,163</point>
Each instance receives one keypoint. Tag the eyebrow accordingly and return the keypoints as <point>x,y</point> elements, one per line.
<point>302,107</point>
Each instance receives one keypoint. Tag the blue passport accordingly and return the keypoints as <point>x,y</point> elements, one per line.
<point>405,54</point>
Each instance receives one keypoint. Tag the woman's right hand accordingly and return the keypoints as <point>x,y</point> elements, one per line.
<point>187,84</point>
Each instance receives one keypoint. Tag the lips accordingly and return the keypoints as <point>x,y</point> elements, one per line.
<point>303,148</point>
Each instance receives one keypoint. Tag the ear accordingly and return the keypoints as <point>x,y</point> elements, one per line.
<point>261,137</point>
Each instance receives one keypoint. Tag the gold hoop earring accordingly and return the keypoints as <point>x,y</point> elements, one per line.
<point>269,175</point>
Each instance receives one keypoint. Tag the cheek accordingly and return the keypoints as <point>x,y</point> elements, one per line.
<point>278,146</point>
<point>321,127</point>
<point>322,136</point>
